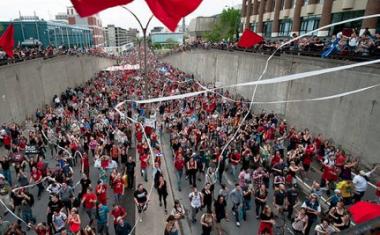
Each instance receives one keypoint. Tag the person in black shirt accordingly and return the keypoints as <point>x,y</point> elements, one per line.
<point>207,197</point>
<point>279,199</point>
<point>141,198</point>
<point>291,198</point>
<point>261,196</point>
<point>130,170</point>
<point>85,182</point>
<point>55,205</point>
<point>5,165</point>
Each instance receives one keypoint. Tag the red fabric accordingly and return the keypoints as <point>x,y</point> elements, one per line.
<point>88,197</point>
<point>90,7</point>
<point>118,186</point>
<point>144,161</point>
<point>7,41</point>
<point>263,226</point>
<point>117,212</point>
<point>36,175</point>
<point>249,39</point>
<point>101,192</point>
<point>364,211</point>
<point>170,12</point>
<point>179,164</point>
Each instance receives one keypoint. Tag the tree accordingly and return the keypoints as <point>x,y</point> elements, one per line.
<point>226,27</point>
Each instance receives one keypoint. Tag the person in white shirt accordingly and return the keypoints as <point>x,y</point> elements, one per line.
<point>360,182</point>
<point>196,202</point>
<point>324,228</point>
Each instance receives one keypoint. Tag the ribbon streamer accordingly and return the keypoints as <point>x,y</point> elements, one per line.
<point>296,100</point>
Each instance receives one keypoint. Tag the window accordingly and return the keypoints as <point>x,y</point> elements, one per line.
<point>336,17</point>
<point>253,27</point>
<point>285,27</point>
<point>267,30</point>
<point>292,3</point>
<point>309,24</point>
<point>305,2</point>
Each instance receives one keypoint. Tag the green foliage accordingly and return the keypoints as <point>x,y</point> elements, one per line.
<point>226,26</point>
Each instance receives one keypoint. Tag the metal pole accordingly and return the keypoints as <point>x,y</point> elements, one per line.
<point>68,39</point>
<point>145,57</point>
<point>144,29</point>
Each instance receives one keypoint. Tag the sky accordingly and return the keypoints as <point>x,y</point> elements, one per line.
<point>47,9</point>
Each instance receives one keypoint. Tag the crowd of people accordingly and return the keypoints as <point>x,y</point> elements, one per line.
<point>82,130</point>
<point>346,44</point>
<point>28,53</point>
<point>266,154</point>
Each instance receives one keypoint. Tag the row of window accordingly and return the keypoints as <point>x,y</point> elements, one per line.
<point>282,4</point>
<point>310,23</point>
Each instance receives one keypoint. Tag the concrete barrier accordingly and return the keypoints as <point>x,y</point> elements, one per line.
<point>351,121</point>
<point>29,85</point>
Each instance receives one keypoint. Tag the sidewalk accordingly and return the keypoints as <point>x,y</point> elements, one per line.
<point>154,218</point>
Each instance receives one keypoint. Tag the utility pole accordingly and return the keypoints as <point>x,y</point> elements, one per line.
<point>144,31</point>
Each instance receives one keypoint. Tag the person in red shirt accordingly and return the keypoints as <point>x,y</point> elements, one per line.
<point>276,158</point>
<point>234,160</point>
<point>329,176</point>
<point>118,212</point>
<point>144,158</point>
<point>36,177</point>
<point>101,192</point>
<point>308,157</point>
<point>85,168</point>
<point>179,164</point>
<point>40,228</point>
<point>118,187</point>
<point>340,159</point>
<point>7,142</point>
<point>115,153</point>
<point>89,202</point>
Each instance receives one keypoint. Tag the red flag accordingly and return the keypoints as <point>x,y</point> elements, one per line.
<point>249,39</point>
<point>90,7</point>
<point>364,211</point>
<point>7,41</point>
<point>170,12</point>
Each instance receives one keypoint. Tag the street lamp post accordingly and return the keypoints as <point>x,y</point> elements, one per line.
<point>144,30</point>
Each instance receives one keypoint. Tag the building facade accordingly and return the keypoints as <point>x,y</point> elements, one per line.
<point>201,25</point>
<point>282,18</point>
<point>93,22</point>
<point>45,33</point>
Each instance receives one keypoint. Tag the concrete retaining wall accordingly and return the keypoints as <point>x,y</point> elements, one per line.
<point>28,85</point>
<point>351,121</point>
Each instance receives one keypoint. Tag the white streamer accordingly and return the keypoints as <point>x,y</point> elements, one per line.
<point>150,149</point>
<point>275,80</point>
<point>14,215</point>
<point>296,100</point>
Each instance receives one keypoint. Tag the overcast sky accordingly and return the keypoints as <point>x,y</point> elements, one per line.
<point>47,9</point>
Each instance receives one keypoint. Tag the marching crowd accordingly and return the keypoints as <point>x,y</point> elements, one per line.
<point>266,154</point>
<point>83,130</point>
<point>79,131</point>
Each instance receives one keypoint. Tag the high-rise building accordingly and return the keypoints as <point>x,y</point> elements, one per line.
<point>276,18</point>
<point>93,22</point>
<point>119,39</point>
